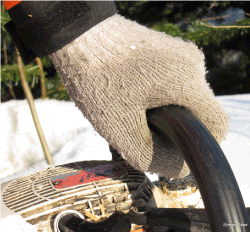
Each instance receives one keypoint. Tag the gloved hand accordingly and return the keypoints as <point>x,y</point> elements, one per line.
<point>118,69</point>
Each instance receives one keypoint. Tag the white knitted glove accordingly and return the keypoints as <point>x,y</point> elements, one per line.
<point>118,69</point>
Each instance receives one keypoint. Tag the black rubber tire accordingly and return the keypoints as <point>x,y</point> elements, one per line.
<point>219,190</point>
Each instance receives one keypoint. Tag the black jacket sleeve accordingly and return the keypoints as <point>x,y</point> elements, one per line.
<point>40,28</point>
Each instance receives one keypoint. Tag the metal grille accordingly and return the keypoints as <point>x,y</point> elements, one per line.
<point>35,198</point>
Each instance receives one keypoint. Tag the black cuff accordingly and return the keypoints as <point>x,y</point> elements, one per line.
<point>41,28</point>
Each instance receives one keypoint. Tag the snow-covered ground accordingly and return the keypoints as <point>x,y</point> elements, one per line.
<point>71,138</point>
<point>69,135</point>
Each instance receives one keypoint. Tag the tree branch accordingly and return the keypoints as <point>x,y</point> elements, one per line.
<point>211,18</point>
<point>42,77</point>
<point>213,4</point>
<point>218,17</point>
<point>30,99</point>
<point>223,26</point>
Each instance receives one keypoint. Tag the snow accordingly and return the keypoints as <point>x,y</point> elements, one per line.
<point>69,135</point>
<point>236,147</point>
<point>16,223</point>
<point>70,138</point>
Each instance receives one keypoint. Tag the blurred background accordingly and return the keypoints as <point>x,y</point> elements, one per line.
<point>220,29</point>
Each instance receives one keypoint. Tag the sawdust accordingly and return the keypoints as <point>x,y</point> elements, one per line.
<point>181,194</point>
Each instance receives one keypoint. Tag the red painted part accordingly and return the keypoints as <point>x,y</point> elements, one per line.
<point>9,4</point>
<point>88,176</point>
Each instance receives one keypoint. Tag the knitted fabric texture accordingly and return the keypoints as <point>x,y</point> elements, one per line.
<point>118,69</point>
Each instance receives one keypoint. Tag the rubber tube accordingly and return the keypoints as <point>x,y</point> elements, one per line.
<point>215,179</point>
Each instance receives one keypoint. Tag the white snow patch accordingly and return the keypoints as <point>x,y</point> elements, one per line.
<point>16,223</point>
<point>69,135</point>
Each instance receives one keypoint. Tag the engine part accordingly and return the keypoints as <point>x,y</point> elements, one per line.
<point>62,215</point>
<point>95,189</point>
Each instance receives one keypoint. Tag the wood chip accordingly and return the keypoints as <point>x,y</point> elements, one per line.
<point>91,216</point>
